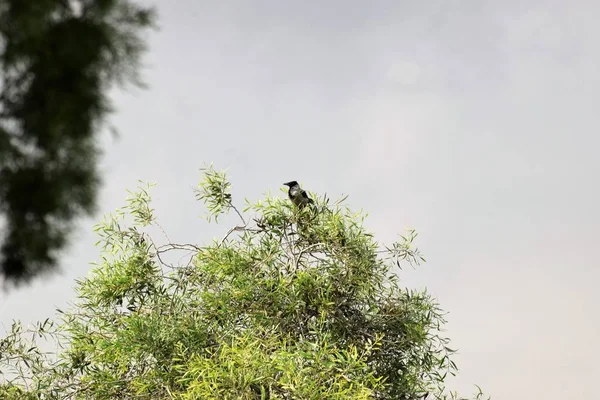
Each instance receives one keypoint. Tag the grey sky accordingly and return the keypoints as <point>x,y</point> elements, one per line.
<point>474,122</point>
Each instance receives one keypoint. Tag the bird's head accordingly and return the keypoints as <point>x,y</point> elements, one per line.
<point>291,183</point>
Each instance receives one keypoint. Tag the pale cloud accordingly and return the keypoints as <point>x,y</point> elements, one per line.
<point>405,73</point>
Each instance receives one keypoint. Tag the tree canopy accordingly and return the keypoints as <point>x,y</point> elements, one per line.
<point>287,304</point>
<point>58,59</point>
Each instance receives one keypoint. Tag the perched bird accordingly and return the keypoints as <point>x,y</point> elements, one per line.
<point>297,195</point>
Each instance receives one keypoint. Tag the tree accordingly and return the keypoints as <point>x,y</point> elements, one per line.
<point>58,59</point>
<point>289,304</point>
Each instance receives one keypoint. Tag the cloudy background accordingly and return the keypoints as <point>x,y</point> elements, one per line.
<point>475,122</point>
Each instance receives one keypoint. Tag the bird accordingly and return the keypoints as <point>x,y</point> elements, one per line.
<point>297,195</point>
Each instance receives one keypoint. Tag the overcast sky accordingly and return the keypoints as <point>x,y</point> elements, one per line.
<point>474,122</point>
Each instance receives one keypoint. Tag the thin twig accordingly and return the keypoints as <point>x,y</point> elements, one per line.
<point>303,251</point>
<point>238,213</point>
<point>234,229</point>
<point>176,246</point>
<point>163,231</point>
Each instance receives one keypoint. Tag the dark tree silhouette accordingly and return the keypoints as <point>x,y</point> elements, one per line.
<point>58,59</point>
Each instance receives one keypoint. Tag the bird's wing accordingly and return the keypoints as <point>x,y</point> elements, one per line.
<point>305,195</point>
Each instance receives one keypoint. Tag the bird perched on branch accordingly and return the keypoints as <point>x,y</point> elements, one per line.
<point>297,195</point>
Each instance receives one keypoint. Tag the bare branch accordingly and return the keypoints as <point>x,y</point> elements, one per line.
<point>234,229</point>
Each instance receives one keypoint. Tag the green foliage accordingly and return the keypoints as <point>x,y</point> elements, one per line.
<point>214,192</point>
<point>58,60</point>
<point>298,304</point>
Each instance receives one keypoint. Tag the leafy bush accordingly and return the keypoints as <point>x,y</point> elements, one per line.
<point>289,304</point>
